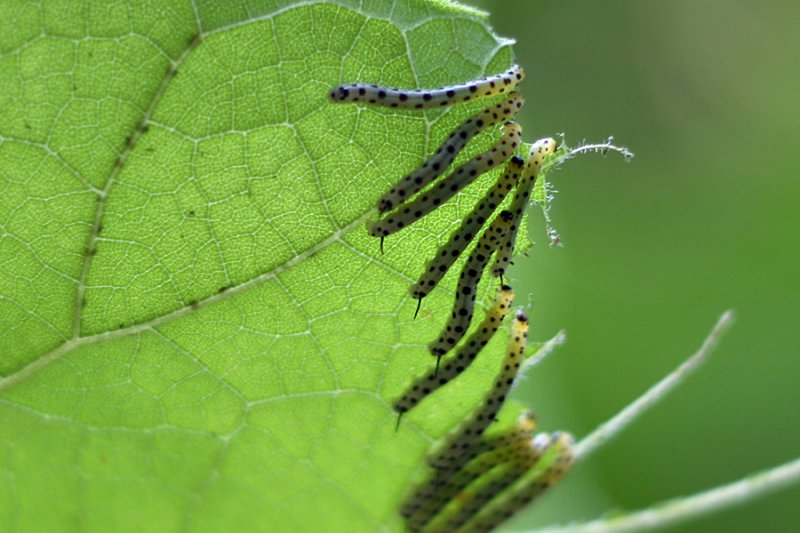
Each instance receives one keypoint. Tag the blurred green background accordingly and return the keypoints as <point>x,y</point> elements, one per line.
<point>705,218</point>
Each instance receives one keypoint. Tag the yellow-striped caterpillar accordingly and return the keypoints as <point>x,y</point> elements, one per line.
<point>464,304</point>
<point>428,98</point>
<point>467,353</point>
<point>439,161</point>
<point>460,239</point>
<point>557,459</point>
<point>539,150</point>
<point>499,475</point>
<point>409,212</point>
<point>448,484</point>
<point>471,430</point>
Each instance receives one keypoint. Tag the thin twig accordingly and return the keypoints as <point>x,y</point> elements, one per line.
<point>538,356</point>
<point>603,149</point>
<point>544,350</point>
<point>612,427</point>
<point>689,507</point>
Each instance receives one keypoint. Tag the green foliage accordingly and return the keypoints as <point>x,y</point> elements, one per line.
<point>197,331</point>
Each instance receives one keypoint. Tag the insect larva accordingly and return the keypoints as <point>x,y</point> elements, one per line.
<point>428,98</point>
<point>474,497</point>
<point>416,509</point>
<point>434,495</point>
<point>460,239</point>
<point>439,161</point>
<point>522,430</point>
<point>429,383</point>
<point>559,458</point>
<point>408,213</point>
<point>471,430</point>
<point>464,305</point>
<point>539,150</point>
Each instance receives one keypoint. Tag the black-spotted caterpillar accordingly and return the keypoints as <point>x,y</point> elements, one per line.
<point>464,304</point>
<point>446,153</point>
<point>473,428</point>
<point>470,226</point>
<point>538,152</point>
<point>409,212</point>
<point>558,457</point>
<point>428,98</point>
<point>463,358</point>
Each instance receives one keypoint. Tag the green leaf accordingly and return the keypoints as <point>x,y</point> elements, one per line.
<point>197,331</point>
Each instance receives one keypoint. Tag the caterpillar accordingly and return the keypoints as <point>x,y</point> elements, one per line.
<point>505,472</point>
<point>460,239</point>
<point>429,383</point>
<point>444,155</point>
<point>434,496</point>
<point>538,151</point>
<point>471,430</point>
<point>442,191</point>
<point>450,459</point>
<point>464,305</point>
<point>558,458</point>
<point>453,453</point>
<point>429,98</point>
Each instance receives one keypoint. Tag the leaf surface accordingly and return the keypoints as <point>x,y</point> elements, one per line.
<point>197,330</point>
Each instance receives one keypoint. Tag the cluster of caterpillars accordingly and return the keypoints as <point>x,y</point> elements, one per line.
<point>477,482</point>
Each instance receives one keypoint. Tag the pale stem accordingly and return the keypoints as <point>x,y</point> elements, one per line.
<point>689,507</point>
<point>544,350</point>
<point>611,428</point>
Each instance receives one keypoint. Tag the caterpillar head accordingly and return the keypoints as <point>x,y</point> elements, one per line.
<point>539,151</point>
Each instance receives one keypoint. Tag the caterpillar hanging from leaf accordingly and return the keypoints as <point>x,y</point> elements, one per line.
<point>536,156</point>
<point>502,471</point>
<point>557,457</point>
<point>467,288</point>
<point>429,98</point>
<point>522,430</point>
<point>430,498</point>
<point>449,252</point>
<point>471,430</point>
<point>455,453</point>
<point>464,357</point>
<point>447,152</point>
<point>409,212</point>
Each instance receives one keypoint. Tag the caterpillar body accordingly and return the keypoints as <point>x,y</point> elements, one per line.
<point>464,305</point>
<point>523,429</point>
<point>429,383</point>
<point>439,161</point>
<point>538,152</point>
<point>427,500</point>
<point>506,471</point>
<point>409,212</point>
<point>432,497</point>
<point>471,430</point>
<point>460,239</point>
<point>559,456</point>
<point>429,98</point>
